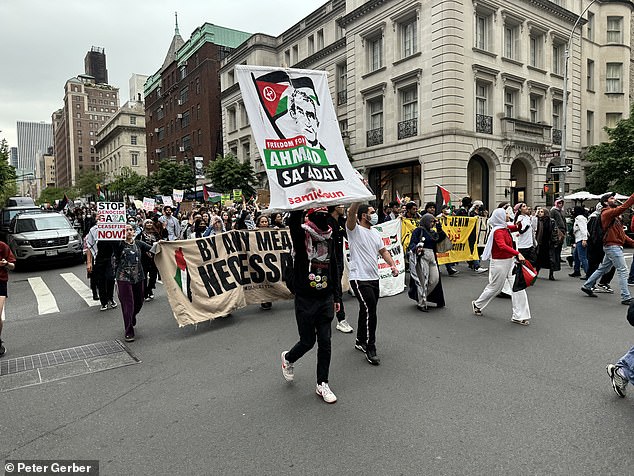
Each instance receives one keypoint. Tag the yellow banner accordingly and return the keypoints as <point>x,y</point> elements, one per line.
<point>463,233</point>
<point>206,278</point>
<point>408,226</point>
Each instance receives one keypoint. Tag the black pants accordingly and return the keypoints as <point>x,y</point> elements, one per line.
<point>313,323</point>
<point>341,315</point>
<point>105,282</point>
<point>367,293</point>
<point>151,274</point>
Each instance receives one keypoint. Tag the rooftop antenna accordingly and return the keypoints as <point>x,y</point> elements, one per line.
<point>176,32</point>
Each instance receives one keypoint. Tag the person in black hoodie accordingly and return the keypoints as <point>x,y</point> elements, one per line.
<point>337,223</point>
<point>317,290</point>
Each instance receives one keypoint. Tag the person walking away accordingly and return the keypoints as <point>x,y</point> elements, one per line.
<point>595,252</point>
<point>613,240</point>
<point>545,237</point>
<point>526,238</point>
<point>500,250</point>
<point>580,230</point>
<point>557,214</point>
<point>130,278</point>
<point>425,285</point>
<point>150,271</point>
<point>622,372</point>
<point>337,224</point>
<point>317,292</point>
<point>7,263</point>
<point>365,247</point>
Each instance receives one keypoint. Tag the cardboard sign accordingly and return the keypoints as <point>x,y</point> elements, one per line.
<point>111,221</point>
<point>167,200</point>
<point>148,204</point>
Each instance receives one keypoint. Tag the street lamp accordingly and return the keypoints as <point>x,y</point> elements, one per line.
<point>512,184</point>
<point>562,179</point>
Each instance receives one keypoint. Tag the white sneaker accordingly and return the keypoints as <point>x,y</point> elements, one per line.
<point>287,368</point>
<point>481,270</point>
<point>323,390</point>
<point>344,327</point>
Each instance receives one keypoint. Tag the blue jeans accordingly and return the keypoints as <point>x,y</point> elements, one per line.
<point>630,278</point>
<point>580,256</point>
<point>627,364</point>
<point>613,257</point>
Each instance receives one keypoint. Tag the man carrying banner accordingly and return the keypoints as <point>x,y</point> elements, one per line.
<point>317,288</point>
<point>365,247</point>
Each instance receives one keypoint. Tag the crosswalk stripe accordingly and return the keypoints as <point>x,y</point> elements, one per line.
<point>80,288</point>
<point>46,303</point>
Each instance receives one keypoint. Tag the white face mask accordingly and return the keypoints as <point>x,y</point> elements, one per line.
<point>374,219</point>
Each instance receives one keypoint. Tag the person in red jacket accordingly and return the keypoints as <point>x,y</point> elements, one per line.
<point>7,263</point>
<point>613,240</point>
<point>500,250</point>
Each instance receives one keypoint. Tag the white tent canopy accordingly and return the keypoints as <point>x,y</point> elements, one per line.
<point>582,195</point>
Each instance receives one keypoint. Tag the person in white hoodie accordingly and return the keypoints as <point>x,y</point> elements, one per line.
<point>580,230</point>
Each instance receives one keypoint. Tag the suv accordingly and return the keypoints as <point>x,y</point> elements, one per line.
<point>43,235</point>
<point>14,206</point>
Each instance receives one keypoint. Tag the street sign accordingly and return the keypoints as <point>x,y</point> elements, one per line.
<point>568,161</point>
<point>556,169</point>
<point>549,155</point>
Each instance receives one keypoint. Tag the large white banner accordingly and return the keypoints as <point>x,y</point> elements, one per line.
<point>391,235</point>
<point>296,130</point>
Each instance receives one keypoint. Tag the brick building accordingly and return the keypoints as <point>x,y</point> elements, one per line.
<point>182,99</point>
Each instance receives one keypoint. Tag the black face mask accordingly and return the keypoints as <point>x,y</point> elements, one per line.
<point>320,220</point>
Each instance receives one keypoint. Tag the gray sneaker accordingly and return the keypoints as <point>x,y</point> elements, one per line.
<point>618,383</point>
<point>344,327</point>
<point>287,368</point>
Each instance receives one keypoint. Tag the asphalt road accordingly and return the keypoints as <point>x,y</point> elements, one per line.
<point>454,394</point>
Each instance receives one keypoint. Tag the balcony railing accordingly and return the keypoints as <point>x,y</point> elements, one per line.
<point>342,97</point>
<point>484,124</point>
<point>375,137</point>
<point>408,128</point>
<point>557,136</point>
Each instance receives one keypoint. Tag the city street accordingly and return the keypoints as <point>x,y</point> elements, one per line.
<point>454,394</point>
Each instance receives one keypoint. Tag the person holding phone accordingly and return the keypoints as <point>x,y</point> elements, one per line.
<point>7,263</point>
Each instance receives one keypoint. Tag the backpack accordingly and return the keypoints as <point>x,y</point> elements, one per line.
<point>596,233</point>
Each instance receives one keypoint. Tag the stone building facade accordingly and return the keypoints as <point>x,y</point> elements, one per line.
<point>467,94</point>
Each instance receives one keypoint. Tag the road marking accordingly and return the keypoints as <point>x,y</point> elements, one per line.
<point>46,303</point>
<point>80,288</point>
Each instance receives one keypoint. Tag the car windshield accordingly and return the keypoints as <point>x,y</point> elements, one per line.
<point>42,223</point>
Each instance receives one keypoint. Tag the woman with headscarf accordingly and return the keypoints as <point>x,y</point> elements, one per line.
<point>500,251</point>
<point>424,284</point>
<point>216,227</point>
<point>546,238</point>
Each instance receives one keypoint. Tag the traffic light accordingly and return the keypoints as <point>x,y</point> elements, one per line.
<point>548,188</point>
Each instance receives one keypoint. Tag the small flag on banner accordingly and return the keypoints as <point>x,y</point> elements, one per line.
<point>443,197</point>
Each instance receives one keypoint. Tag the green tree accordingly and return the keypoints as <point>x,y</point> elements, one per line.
<point>612,163</point>
<point>50,194</point>
<point>172,175</point>
<point>227,173</point>
<point>131,183</point>
<point>87,182</point>
<point>8,186</point>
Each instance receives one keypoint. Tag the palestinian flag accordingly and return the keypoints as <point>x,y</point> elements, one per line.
<point>62,203</point>
<point>101,196</point>
<point>274,90</point>
<point>182,277</point>
<point>443,197</point>
<point>205,193</point>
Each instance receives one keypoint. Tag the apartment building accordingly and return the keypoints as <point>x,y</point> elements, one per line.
<point>120,143</point>
<point>466,94</point>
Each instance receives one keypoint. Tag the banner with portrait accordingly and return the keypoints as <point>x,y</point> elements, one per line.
<point>206,278</point>
<point>297,133</point>
<point>463,233</point>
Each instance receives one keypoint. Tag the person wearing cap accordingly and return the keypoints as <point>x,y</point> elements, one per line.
<point>613,240</point>
<point>317,288</point>
<point>170,223</point>
<point>366,245</point>
<point>557,214</point>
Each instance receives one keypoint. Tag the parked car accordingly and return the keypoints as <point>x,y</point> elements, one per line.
<point>44,236</point>
<point>14,206</point>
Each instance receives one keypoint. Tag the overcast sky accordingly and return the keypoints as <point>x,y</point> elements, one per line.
<point>43,42</point>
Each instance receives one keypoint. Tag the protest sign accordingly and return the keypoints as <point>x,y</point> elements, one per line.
<point>111,221</point>
<point>177,195</point>
<point>391,235</point>
<point>463,233</point>
<point>295,128</point>
<point>148,203</point>
<point>138,204</point>
<point>237,195</point>
<point>407,228</point>
<point>209,277</point>
<point>167,200</point>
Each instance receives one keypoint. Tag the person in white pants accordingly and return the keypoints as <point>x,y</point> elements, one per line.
<point>500,251</point>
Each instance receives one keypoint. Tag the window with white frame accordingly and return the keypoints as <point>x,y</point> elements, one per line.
<point>408,124</point>
<point>375,52</point>
<point>613,75</point>
<point>511,40</point>
<point>231,119</point>
<point>615,30</point>
<point>558,58</point>
<point>536,50</point>
<point>320,40</point>
<point>590,26</point>
<point>311,44</point>
<point>246,152</point>
<point>590,75</point>
<point>483,27</point>
<point>342,84</point>
<point>612,119</point>
<point>482,98</point>
<point>133,140</point>
<point>510,102</point>
<point>408,37</point>
<point>374,131</point>
<point>134,159</point>
<point>589,127</point>
<point>557,114</point>
<point>535,107</point>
